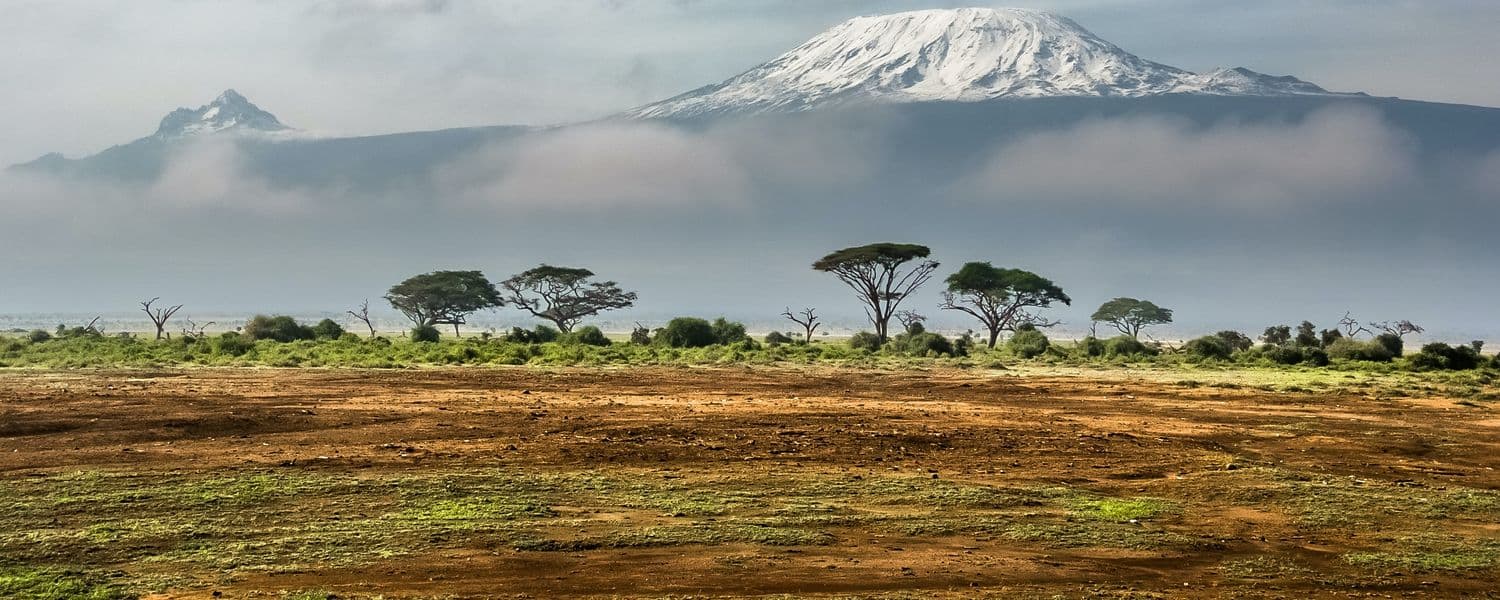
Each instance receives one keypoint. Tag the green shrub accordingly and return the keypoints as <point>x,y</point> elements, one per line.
<point>1316,357</point>
<point>588,336</point>
<point>540,334</point>
<point>1089,347</point>
<point>927,344</point>
<point>280,328</point>
<point>1124,345</point>
<point>640,335</point>
<point>1347,349</point>
<point>728,332</point>
<point>1283,355</point>
<point>1028,343</point>
<point>865,340</point>
<point>1236,341</point>
<point>38,336</point>
<point>327,329</point>
<point>1439,356</point>
<point>1209,347</point>
<point>963,345</point>
<point>349,337</point>
<point>233,344</point>
<point>686,332</point>
<point>1391,342</point>
<point>425,333</point>
<point>777,338</point>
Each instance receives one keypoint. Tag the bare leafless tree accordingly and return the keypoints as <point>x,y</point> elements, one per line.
<point>1024,318</point>
<point>1398,328</point>
<point>1351,327</point>
<point>364,316</point>
<point>194,329</point>
<point>910,318</point>
<point>807,318</point>
<point>160,316</point>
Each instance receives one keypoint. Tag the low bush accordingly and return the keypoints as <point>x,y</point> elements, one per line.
<point>233,344</point>
<point>588,336</point>
<point>865,340</point>
<point>1347,349</point>
<point>926,344</point>
<point>38,336</point>
<point>640,335</point>
<point>1209,347</point>
<point>280,328</point>
<point>728,332</point>
<point>425,333</point>
<point>1391,342</point>
<point>540,334</point>
<point>686,332</point>
<point>1028,343</point>
<point>1124,346</point>
<point>327,329</point>
<point>1089,347</point>
<point>1236,341</point>
<point>777,338</point>
<point>1439,356</point>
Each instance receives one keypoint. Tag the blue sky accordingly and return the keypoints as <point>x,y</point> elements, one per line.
<point>83,75</point>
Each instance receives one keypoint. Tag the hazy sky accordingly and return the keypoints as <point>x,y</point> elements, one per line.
<point>82,75</point>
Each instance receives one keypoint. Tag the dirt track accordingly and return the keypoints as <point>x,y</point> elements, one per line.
<point>1231,461</point>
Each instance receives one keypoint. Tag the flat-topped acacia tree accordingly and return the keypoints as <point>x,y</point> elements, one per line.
<point>875,272</point>
<point>1000,298</point>
<point>1130,315</point>
<point>564,295</point>
<point>443,297</point>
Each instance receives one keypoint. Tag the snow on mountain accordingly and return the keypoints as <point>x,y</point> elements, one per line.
<point>965,54</point>
<point>230,112</point>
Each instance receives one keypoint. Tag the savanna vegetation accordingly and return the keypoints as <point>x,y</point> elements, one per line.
<point>1002,301</point>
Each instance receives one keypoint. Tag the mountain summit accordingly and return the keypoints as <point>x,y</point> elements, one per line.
<point>966,54</point>
<point>229,112</point>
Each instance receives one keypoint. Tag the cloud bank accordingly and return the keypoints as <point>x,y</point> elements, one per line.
<point>1336,155</point>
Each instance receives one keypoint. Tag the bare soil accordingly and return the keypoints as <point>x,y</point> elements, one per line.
<point>1337,493</point>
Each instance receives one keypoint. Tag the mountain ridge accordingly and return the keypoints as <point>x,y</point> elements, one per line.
<point>966,54</point>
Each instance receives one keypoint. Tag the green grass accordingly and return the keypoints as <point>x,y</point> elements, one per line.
<point>1427,554</point>
<point>56,584</point>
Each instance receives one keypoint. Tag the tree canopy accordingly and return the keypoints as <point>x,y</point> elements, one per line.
<point>564,295</point>
<point>876,275</point>
<point>1000,298</point>
<point>443,297</point>
<point>1130,315</point>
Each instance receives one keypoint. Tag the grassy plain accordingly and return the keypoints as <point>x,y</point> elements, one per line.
<point>909,480</point>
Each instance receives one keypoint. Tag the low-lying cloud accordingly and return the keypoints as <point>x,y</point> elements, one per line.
<point>590,167</point>
<point>1331,156</point>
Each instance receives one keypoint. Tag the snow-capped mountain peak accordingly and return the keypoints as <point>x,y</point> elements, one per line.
<point>965,54</point>
<point>230,112</point>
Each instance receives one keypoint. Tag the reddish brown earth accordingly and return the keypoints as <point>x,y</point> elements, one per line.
<point>1113,436</point>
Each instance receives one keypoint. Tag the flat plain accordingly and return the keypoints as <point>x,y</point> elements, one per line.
<point>657,482</point>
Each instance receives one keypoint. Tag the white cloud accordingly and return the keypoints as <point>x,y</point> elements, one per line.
<point>1333,155</point>
<point>614,166</point>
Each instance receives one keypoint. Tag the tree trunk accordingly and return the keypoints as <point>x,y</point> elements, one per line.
<point>994,337</point>
<point>455,330</point>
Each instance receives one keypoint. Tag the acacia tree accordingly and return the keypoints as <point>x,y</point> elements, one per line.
<point>876,275</point>
<point>564,295</point>
<point>1001,298</point>
<point>808,319</point>
<point>159,316</point>
<point>1130,315</point>
<point>443,297</point>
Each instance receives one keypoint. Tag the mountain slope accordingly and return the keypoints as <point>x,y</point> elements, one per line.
<point>965,54</point>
